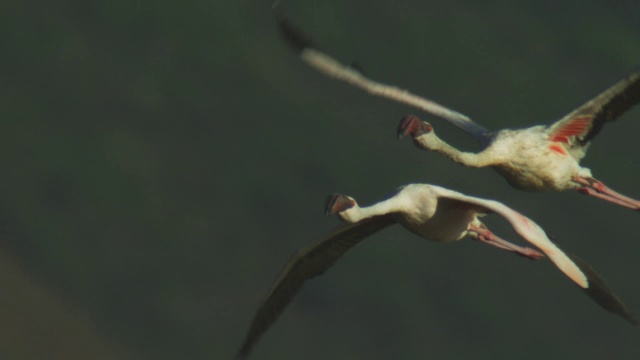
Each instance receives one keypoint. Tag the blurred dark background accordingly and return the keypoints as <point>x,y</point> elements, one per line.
<point>163,159</point>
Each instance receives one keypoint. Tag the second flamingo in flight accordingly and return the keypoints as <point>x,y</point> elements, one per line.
<point>538,158</point>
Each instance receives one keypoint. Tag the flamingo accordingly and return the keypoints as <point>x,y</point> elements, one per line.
<point>433,213</point>
<point>538,158</point>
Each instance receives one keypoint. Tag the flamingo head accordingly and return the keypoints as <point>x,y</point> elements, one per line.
<point>338,203</point>
<point>412,125</point>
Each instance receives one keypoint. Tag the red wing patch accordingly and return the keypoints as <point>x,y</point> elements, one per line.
<point>577,126</point>
<point>558,148</point>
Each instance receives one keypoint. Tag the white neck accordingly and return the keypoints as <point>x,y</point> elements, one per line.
<point>432,142</point>
<point>358,213</point>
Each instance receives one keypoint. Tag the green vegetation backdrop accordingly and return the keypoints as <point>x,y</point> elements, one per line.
<point>163,159</point>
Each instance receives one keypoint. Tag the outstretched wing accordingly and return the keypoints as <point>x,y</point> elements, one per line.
<point>600,292</point>
<point>312,260</point>
<point>333,68</point>
<point>585,122</point>
<point>576,269</point>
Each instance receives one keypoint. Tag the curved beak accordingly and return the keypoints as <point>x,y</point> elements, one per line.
<point>408,125</point>
<point>337,203</point>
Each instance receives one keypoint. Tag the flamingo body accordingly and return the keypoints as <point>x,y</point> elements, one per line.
<point>529,161</point>
<point>539,158</point>
<point>535,163</point>
<point>419,209</point>
<point>433,213</point>
<point>544,158</point>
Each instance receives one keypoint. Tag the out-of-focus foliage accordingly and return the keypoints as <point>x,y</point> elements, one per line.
<point>161,161</point>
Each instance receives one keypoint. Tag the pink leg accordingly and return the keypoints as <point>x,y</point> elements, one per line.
<point>483,234</point>
<point>597,189</point>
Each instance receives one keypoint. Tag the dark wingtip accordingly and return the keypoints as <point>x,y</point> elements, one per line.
<point>241,355</point>
<point>291,33</point>
<point>245,349</point>
<point>599,292</point>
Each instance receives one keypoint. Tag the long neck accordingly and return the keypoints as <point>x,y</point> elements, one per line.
<point>464,158</point>
<point>357,213</point>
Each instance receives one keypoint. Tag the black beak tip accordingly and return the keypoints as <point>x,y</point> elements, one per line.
<point>405,125</point>
<point>328,206</point>
<point>401,135</point>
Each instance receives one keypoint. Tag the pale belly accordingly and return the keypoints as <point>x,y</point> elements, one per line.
<point>533,176</point>
<point>449,223</point>
<point>531,163</point>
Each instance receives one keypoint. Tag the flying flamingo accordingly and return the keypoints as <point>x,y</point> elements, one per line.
<point>433,213</point>
<point>538,158</point>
